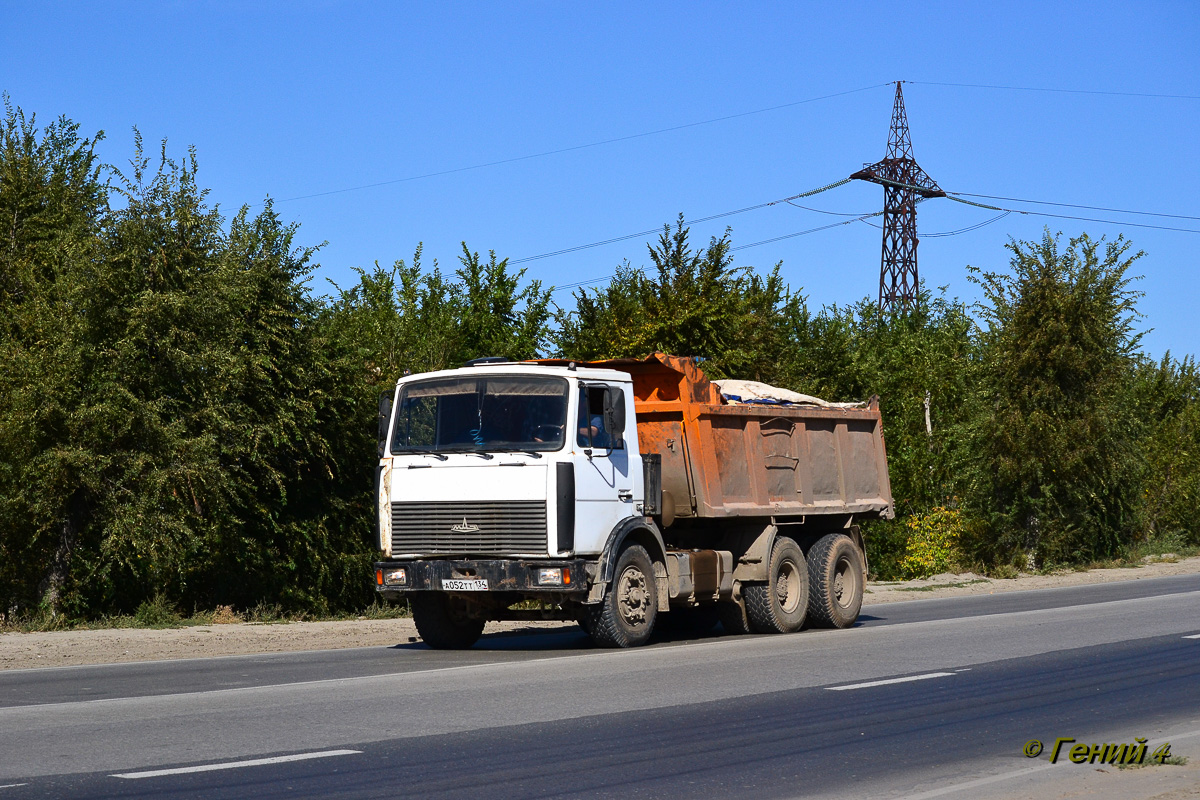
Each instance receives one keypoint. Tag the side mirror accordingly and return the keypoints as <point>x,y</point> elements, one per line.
<point>614,416</point>
<point>385,417</point>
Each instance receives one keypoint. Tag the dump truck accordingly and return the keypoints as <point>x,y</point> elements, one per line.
<point>621,494</point>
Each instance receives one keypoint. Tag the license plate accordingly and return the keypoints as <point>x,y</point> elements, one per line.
<point>475,585</point>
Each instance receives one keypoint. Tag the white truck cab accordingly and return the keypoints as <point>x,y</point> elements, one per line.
<point>505,479</point>
<point>486,448</point>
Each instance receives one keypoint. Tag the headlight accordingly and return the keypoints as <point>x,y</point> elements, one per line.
<point>394,577</point>
<point>554,576</point>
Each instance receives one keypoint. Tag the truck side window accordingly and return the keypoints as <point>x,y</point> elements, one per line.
<point>591,418</point>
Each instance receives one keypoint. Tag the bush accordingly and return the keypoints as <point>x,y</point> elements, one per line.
<point>932,542</point>
<point>158,612</point>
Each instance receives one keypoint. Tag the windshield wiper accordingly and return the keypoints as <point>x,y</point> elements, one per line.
<point>484,456</point>
<point>532,453</point>
<point>438,456</point>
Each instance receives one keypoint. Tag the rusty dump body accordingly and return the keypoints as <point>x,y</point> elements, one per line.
<point>723,460</point>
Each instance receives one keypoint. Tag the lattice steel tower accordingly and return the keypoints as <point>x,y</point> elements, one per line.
<point>903,182</point>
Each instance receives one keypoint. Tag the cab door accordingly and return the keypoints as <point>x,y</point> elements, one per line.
<point>608,476</point>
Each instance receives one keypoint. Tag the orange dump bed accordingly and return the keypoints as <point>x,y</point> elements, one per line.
<point>724,460</point>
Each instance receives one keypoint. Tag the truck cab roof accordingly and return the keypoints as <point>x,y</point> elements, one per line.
<point>583,372</point>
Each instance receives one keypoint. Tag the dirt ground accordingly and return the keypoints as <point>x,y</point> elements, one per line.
<point>71,648</point>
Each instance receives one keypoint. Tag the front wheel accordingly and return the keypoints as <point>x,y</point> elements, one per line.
<point>443,621</point>
<point>835,581</point>
<point>626,615</point>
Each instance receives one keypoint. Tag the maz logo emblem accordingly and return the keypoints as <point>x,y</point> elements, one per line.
<point>465,527</point>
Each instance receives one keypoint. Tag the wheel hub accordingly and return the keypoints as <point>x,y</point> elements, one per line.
<point>787,587</point>
<point>839,585</point>
<point>633,597</point>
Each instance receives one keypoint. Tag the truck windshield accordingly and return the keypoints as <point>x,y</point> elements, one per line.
<point>477,414</point>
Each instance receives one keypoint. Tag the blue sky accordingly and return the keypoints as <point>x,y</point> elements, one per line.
<point>293,99</point>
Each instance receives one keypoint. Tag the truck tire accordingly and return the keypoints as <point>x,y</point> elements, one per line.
<point>626,615</point>
<point>780,604</point>
<point>443,622</point>
<point>733,617</point>
<point>835,582</point>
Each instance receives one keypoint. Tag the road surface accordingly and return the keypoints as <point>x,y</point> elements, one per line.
<point>926,699</point>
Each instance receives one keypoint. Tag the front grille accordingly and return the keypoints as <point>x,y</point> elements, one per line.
<point>511,526</point>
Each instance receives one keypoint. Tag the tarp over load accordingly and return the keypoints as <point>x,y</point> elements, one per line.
<point>734,391</point>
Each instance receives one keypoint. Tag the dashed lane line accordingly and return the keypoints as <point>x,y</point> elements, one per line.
<point>256,762</point>
<point>923,677</point>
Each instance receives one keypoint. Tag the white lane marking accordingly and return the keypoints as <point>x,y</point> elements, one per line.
<point>1193,636</point>
<point>923,677</point>
<point>13,785</point>
<point>256,762</point>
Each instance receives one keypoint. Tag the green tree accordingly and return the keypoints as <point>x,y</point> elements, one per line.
<point>695,302</point>
<point>52,200</point>
<point>1167,400</point>
<point>171,423</point>
<point>407,318</point>
<point>1054,465</point>
<point>496,316</point>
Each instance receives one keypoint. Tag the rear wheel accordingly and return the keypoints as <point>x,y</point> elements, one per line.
<point>780,604</point>
<point>626,615</point>
<point>443,621</point>
<point>835,582</point>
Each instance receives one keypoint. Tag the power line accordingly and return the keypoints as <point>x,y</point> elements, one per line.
<point>1073,205</point>
<point>1071,216</point>
<point>689,222</point>
<point>573,148</point>
<point>863,218</point>
<point>952,196</point>
<point>821,211</point>
<point>765,241</point>
<point>1059,91</point>
<point>967,229</point>
<point>685,126</point>
<point>955,196</point>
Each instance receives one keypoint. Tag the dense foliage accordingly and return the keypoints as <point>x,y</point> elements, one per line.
<point>183,422</point>
<point>1058,462</point>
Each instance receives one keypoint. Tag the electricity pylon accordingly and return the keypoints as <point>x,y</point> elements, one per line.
<point>903,182</point>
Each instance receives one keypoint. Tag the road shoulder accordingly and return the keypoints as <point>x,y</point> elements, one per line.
<point>119,645</point>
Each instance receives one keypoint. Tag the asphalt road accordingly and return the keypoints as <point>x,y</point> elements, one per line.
<point>546,715</point>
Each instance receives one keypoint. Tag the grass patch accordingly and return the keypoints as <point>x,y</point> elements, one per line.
<point>1172,761</point>
<point>1168,550</point>
<point>158,614</point>
<point>933,586</point>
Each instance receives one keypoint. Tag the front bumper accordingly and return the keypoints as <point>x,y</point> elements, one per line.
<point>502,575</point>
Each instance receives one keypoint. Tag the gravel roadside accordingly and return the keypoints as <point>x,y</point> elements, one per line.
<point>107,646</point>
